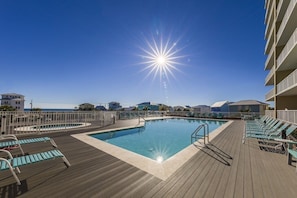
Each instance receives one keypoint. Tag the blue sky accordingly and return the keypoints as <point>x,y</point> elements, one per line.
<point>63,53</point>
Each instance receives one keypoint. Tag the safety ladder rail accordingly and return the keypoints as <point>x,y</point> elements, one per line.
<point>140,117</point>
<point>195,135</point>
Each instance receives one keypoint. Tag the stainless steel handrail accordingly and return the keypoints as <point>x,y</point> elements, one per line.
<point>195,134</point>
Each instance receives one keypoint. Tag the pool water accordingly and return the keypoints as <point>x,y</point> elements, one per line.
<point>158,139</point>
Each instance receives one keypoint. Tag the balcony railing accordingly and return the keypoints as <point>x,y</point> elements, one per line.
<point>269,95</point>
<point>268,8</point>
<point>287,115</point>
<point>286,18</point>
<point>288,82</point>
<point>269,76</point>
<point>292,42</point>
<point>279,6</point>
<point>269,59</point>
<point>270,42</point>
<point>269,113</point>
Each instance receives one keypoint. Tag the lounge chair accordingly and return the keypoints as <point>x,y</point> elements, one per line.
<point>291,153</point>
<point>14,141</point>
<point>261,125</point>
<point>276,134</point>
<point>13,163</point>
<point>265,130</point>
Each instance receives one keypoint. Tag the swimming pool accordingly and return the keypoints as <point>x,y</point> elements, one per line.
<point>158,139</point>
<point>160,170</point>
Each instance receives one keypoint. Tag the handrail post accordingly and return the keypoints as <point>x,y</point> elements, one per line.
<point>204,134</point>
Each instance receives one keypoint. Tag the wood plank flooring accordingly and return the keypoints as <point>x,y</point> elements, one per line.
<point>225,168</point>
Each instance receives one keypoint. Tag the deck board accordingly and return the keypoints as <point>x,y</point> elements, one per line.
<point>226,168</point>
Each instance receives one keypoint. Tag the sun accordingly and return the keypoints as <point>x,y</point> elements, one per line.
<point>160,58</point>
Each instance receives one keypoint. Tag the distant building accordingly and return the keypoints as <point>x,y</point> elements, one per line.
<point>14,100</point>
<point>179,108</point>
<point>86,107</point>
<point>148,106</point>
<point>221,106</point>
<point>133,108</point>
<point>100,108</point>
<point>201,109</point>
<point>112,106</point>
<point>248,106</point>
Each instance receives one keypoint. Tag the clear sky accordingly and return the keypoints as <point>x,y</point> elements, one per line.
<point>63,53</point>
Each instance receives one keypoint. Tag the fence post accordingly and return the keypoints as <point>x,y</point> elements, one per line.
<point>3,124</point>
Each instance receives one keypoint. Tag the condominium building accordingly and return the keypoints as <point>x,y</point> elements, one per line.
<point>17,101</point>
<point>281,51</point>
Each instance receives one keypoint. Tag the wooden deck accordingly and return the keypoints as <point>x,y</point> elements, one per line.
<point>225,168</point>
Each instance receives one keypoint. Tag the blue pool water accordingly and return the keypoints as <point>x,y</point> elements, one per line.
<point>158,139</point>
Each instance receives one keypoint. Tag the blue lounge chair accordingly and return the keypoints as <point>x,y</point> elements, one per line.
<point>261,126</point>
<point>275,134</point>
<point>14,141</point>
<point>262,131</point>
<point>13,163</point>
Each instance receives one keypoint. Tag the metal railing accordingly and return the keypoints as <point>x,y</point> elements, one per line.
<point>141,118</point>
<point>213,115</point>
<point>196,135</point>
<point>12,121</point>
<point>126,115</point>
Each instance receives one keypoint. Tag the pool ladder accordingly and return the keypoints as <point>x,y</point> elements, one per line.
<point>140,117</point>
<point>195,135</point>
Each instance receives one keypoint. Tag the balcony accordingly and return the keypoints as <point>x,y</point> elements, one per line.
<point>288,58</point>
<point>268,7</point>
<point>269,25</point>
<point>288,86</point>
<point>269,80</point>
<point>269,61</point>
<point>288,24</point>
<point>270,95</point>
<point>270,42</point>
<point>281,9</point>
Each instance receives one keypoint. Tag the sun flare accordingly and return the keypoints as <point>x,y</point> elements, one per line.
<point>160,58</point>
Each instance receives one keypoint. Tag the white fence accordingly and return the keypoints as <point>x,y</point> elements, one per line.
<point>285,115</point>
<point>215,115</point>
<point>124,115</point>
<point>36,122</point>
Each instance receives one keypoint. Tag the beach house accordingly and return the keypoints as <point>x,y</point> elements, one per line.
<point>14,100</point>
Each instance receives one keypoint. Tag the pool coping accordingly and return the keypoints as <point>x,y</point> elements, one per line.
<point>159,170</point>
<point>36,129</point>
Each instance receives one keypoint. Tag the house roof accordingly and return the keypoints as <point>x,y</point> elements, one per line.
<point>148,103</point>
<point>199,106</point>
<point>248,102</point>
<point>12,94</point>
<point>219,104</point>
